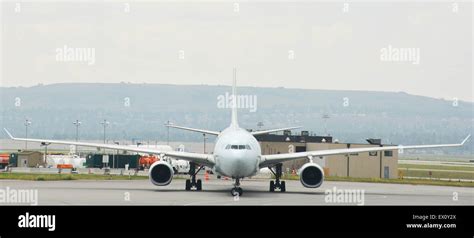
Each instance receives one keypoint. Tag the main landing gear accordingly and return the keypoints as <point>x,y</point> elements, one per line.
<point>193,183</point>
<point>237,189</point>
<point>277,184</point>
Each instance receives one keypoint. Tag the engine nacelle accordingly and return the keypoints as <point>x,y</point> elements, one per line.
<point>161,173</point>
<point>311,175</point>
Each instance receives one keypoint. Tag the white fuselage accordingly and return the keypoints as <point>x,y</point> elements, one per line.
<point>236,153</point>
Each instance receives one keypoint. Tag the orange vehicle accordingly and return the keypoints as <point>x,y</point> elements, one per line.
<point>64,166</point>
<point>4,159</point>
<point>147,161</point>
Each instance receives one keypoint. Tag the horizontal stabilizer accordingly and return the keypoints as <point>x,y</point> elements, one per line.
<point>274,130</point>
<point>194,129</point>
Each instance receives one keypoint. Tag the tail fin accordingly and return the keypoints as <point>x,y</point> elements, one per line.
<point>234,121</point>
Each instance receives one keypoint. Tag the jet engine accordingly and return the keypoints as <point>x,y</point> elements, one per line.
<point>161,173</point>
<point>311,175</point>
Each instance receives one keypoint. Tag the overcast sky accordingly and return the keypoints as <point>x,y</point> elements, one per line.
<point>272,44</point>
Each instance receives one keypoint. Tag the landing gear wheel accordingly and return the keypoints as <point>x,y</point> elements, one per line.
<point>188,184</point>
<point>277,183</point>
<point>193,183</point>
<point>199,185</point>
<point>236,191</point>
<point>283,187</point>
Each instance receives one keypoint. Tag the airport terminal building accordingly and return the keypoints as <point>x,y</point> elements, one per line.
<point>382,164</point>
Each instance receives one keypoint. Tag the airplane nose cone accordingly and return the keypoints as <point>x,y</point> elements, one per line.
<point>237,165</point>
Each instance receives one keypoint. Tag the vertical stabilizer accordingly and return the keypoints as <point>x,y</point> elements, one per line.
<point>234,122</point>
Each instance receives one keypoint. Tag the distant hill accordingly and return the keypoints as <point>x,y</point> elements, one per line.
<point>138,111</point>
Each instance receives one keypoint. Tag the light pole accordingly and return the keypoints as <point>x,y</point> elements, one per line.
<point>105,123</point>
<point>45,151</point>
<point>115,152</point>
<point>204,138</point>
<point>138,158</point>
<point>168,132</point>
<point>77,123</point>
<point>27,123</point>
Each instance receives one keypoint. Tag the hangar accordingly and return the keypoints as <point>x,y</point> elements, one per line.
<point>361,165</point>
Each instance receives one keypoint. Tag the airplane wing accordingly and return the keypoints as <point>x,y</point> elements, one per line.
<point>194,129</point>
<point>268,160</point>
<point>203,159</point>
<point>273,130</point>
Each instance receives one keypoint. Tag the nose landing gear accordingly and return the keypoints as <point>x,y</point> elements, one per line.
<point>193,183</point>
<point>237,190</point>
<point>277,184</point>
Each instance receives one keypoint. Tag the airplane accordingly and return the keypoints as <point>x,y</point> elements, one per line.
<point>237,154</point>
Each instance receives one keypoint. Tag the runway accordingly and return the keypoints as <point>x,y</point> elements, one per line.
<point>217,192</point>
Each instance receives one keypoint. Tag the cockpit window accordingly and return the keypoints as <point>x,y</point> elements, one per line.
<point>238,147</point>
